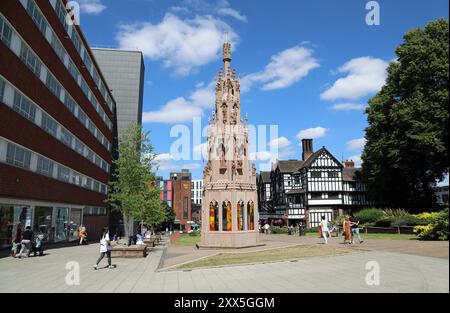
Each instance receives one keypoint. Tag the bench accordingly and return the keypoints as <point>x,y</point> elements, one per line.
<point>150,242</point>
<point>139,251</point>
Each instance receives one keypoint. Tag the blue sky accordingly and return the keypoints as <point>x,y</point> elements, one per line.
<point>307,66</point>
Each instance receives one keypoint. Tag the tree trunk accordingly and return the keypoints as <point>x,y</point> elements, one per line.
<point>128,222</point>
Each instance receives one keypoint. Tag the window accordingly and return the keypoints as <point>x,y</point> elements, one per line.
<point>66,137</point>
<point>296,180</point>
<point>69,103</point>
<point>18,156</point>
<point>76,178</point>
<point>333,195</point>
<point>24,107</point>
<point>104,166</point>
<point>2,89</point>
<point>84,87</point>
<point>91,127</point>
<point>30,59</point>
<point>213,216</point>
<point>82,117</point>
<point>316,196</point>
<point>76,41</point>
<point>48,124</point>
<point>333,174</point>
<point>79,147</point>
<point>63,173</point>
<point>96,186</point>
<point>36,15</point>
<point>53,85</point>
<point>87,183</point>
<point>90,155</point>
<point>316,174</point>
<point>103,189</point>
<point>98,161</point>
<point>61,12</point>
<point>5,32</point>
<point>87,61</point>
<point>57,47</point>
<point>73,71</point>
<point>44,166</point>
<point>96,77</point>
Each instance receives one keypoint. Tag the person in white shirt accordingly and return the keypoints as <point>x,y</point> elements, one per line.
<point>324,228</point>
<point>105,248</point>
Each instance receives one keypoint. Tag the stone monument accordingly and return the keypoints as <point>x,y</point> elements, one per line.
<point>230,204</point>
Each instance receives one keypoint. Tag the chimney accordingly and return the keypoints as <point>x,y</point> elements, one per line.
<point>307,147</point>
<point>349,163</point>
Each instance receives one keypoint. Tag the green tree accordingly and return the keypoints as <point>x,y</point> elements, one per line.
<point>407,137</point>
<point>131,191</point>
<point>169,214</point>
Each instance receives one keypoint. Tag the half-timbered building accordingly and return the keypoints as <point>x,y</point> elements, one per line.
<point>302,191</point>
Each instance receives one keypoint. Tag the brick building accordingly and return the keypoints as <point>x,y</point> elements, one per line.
<point>57,125</point>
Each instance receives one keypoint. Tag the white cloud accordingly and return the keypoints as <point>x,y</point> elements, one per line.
<point>184,45</point>
<point>181,109</point>
<point>261,156</point>
<point>279,142</point>
<point>356,144</point>
<point>365,75</point>
<point>201,150</point>
<point>233,13</point>
<point>348,106</point>
<point>166,162</point>
<point>91,6</point>
<point>312,133</point>
<point>285,68</point>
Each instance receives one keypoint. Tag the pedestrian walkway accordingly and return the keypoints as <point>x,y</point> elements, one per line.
<point>346,273</point>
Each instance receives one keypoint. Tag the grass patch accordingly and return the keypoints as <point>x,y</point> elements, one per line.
<point>280,254</point>
<point>186,240</point>
<point>365,236</point>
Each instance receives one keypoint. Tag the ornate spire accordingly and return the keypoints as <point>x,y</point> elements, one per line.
<point>227,55</point>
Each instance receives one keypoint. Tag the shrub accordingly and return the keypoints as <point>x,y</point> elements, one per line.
<point>371,215</point>
<point>426,217</point>
<point>279,230</point>
<point>312,230</point>
<point>437,229</point>
<point>384,222</point>
<point>393,213</point>
<point>406,220</point>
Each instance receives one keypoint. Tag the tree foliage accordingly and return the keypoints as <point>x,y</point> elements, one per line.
<point>131,190</point>
<point>407,137</point>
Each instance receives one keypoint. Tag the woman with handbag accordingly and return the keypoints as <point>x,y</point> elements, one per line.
<point>105,248</point>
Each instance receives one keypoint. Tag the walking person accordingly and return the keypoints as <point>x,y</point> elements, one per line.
<point>323,225</point>
<point>347,232</point>
<point>27,236</point>
<point>82,234</point>
<point>354,225</point>
<point>105,248</point>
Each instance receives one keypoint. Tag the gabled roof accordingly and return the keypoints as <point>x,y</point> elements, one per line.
<point>310,160</point>
<point>289,166</point>
<point>265,177</point>
<point>351,174</point>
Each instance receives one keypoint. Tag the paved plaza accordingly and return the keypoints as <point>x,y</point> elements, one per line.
<point>403,266</point>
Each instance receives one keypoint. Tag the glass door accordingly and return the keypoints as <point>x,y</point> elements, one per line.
<point>61,224</point>
<point>74,223</point>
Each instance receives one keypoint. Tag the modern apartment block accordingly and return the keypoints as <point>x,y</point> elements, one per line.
<point>124,73</point>
<point>57,125</point>
<point>197,191</point>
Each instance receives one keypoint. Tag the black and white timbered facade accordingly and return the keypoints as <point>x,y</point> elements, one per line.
<point>302,191</point>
